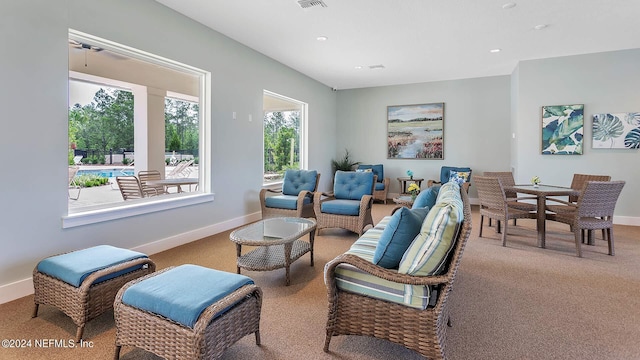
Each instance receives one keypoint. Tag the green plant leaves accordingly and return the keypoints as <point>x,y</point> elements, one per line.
<point>632,140</point>
<point>563,132</point>
<point>607,127</point>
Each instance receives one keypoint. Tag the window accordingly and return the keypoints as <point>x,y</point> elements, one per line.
<point>284,130</point>
<point>137,112</point>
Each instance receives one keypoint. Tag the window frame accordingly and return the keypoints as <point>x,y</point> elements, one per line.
<point>113,211</point>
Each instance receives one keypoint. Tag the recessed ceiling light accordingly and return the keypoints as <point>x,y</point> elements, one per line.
<point>358,67</point>
<point>495,50</point>
<point>322,38</point>
<point>540,27</point>
<point>509,5</point>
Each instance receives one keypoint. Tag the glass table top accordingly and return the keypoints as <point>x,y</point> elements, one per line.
<point>274,230</point>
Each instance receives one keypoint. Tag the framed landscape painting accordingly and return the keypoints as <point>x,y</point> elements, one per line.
<point>415,131</point>
<point>562,129</point>
<point>616,131</point>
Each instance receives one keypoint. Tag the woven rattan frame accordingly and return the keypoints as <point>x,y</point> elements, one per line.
<point>579,180</point>
<point>424,331</point>
<point>208,339</point>
<point>494,205</point>
<point>302,210</point>
<point>382,194</point>
<point>89,300</point>
<point>594,211</point>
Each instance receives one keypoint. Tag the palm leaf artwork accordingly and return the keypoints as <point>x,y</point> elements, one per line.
<point>562,129</point>
<point>616,131</point>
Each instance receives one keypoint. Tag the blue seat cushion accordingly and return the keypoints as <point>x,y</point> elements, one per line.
<point>352,185</point>
<point>182,293</point>
<point>298,180</point>
<point>75,266</point>
<point>284,201</point>
<point>426,198</point>
<point>341,207</point>
<point>379,186</point>
<point>378,170</point>
<point>445,173</point>
<point>396,237</point>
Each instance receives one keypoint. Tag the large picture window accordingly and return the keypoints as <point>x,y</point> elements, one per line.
<point>132,113</point>
<point>284,140</point>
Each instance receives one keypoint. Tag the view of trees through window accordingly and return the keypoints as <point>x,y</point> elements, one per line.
<point>106,126</point>
<point>281,143</point>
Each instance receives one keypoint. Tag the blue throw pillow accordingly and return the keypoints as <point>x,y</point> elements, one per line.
<point>396,237</point>
<point>426,198</point>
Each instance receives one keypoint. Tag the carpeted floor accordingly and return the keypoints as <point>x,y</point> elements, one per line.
<point>514,302</point>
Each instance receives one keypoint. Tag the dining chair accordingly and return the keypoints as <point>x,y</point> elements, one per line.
<point>130,187</point>
<point>73,171</point>
<point>494,205</point>
<point>506,178</point>
<point>593,211</point>
<point>578,181</point>
<point>146,175</point>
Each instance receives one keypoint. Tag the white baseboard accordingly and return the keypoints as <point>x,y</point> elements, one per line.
<point>21,288</point>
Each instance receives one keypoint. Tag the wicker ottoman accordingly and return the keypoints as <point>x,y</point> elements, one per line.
<point>83,284</point>
<point>157,312</point>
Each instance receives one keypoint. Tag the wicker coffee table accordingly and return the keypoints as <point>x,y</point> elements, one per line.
<point>278,242</point>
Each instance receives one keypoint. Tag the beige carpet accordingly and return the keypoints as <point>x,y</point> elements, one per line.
<point>518,302</point>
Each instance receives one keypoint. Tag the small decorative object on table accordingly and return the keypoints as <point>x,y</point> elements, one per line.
<point>410,174</point>
<point>535,181</point>
<point>414,190</point>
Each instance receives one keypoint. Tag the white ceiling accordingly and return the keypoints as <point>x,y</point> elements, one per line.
<point>417,40</point>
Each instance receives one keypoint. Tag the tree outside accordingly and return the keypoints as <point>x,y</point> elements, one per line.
<point>281,143</point>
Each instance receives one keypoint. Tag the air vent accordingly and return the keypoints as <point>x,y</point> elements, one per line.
<point>310,3</point>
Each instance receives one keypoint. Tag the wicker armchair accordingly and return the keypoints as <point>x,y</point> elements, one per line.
<point>506,178</point>
<point>294,199</point>
<point>494,205</point>
<point>382,183</point>
<point>349,205</point>
<point>578,181</point>
<point>445,176</point>
<point>424,331</point>
<point>593,211</point>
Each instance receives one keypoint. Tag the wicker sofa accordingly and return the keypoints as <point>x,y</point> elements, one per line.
<point>403,303</point>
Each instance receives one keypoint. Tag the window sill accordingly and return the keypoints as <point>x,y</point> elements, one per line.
<point>132,208</point>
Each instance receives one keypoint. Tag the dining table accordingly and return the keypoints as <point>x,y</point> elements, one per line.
<point>541,192</point>
<point>177,182</point>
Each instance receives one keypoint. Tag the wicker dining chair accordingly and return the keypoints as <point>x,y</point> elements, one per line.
<point>593,211</point>
<point>506,177</point>
<point>494,205</point>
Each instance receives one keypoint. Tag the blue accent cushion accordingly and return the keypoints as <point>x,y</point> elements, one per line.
<point>379,186</point>
<point>284,201</point>
<point>352,185</point>
<point>426,198</point>
<point>341,207</point>
<point>182,293</point>
<point>403,227</point>
<point>445,173</point>
<point>378,170</point>
<point>75,266</point>
<point>298,180</point>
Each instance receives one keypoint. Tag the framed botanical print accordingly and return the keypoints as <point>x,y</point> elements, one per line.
<point>562,129</point>
<point>415,131</point>
<point>616,131</point>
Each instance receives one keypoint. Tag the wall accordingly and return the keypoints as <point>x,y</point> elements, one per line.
<point>34,72</point>
<point>603,82</point>
<point>476,125</point>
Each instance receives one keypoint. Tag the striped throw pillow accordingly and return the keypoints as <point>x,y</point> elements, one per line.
<point>428,253</point>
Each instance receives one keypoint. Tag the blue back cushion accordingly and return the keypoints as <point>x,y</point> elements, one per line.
<point>298,180</point>
<point>182,293</point>
<point>445,173</point>
<point>396,237</point>
<point>352,185</point>
<point>378,170</point>
<point>426,198</point>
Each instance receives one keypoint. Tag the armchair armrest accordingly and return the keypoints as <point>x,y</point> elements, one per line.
<point>317,200</point>
<point>366,202</point>
<point>380,272</point>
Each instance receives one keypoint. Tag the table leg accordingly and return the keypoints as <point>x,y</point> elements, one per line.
<point>287,261</point>
<point>311,238</point>
<point>542,217</point>
<point>238,253</point>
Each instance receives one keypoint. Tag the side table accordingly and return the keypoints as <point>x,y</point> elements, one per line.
<point>403,201</point>
<point>404,180</point>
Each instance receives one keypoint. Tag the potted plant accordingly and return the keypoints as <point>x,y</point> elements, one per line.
<point>345,163</point>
